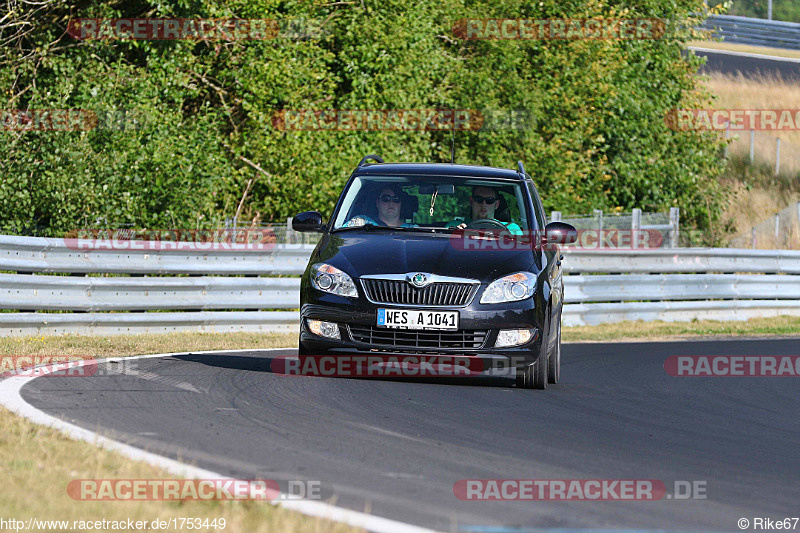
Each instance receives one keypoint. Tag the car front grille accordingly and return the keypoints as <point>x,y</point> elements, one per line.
<point>436,294</point>
<point>418,339</point>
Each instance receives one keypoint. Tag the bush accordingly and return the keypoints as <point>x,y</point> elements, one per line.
<point>199,142</point>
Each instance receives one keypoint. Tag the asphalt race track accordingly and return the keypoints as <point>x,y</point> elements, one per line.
<point>749,65</point>
<point>397,447</point>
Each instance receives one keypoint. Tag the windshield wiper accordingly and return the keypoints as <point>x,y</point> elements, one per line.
<point>428,229</point>
<point>369,227</point>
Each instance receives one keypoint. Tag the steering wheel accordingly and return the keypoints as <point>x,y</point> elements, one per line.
<point>486,223</point>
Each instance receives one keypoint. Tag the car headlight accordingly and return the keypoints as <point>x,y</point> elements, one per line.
<point>327,278</point>
<point>511,288</point>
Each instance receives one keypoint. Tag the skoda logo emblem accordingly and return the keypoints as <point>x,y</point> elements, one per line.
<point>419,279</point>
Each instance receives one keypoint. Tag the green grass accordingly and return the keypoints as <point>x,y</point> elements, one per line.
<point>654,331</point>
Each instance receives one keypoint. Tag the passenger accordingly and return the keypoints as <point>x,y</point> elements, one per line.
<point>390,206</point>
<point>483,203</point>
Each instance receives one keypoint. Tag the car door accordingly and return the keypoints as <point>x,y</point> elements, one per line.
<point>551,260</point>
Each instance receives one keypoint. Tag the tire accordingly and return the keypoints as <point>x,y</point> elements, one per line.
<point>540,373</point>
<point>534,376</point>
<point>554,357</point>
<point>525,377</point>
<point>302,350</point>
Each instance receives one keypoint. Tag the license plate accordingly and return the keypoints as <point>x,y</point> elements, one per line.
<point>414,319</point>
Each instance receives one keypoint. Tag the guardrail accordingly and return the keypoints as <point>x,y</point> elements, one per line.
<point>682,261</point>
<point>760,32</point>
<point>36,254</point>
<point>50,287</point>
<point>636,222</point>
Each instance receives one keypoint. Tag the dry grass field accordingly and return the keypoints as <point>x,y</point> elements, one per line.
<point>39,462</point>
<point>758,193</point>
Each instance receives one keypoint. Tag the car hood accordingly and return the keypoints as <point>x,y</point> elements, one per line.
<point>367,252</point>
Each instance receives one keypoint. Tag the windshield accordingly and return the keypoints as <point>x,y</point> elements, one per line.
<point>432,203</point>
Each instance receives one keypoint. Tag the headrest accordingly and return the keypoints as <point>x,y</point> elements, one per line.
<point>501,213</point>
<point>410,206</point>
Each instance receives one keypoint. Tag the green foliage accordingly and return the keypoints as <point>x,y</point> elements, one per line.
<point>196,132</point>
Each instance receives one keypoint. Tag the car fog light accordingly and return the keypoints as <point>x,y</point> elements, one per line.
<point>324,329</point>
<point>513,337</point>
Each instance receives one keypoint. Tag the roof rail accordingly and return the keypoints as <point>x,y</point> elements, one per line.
<point>520,169</point>
<point>376,158</point>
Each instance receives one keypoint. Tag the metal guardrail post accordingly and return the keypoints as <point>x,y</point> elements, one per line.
<point>798,219</point>
<point>777,156</point>
<point>599,214</point>
<point>674,220</point>
<point>636,225</point>
<point>752,145</point>
<point>555,216</point>
<point>753,236</point>
<point>290,233</point>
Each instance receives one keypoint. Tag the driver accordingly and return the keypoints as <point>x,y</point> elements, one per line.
<point>483,203</point>
<point>389,204</point>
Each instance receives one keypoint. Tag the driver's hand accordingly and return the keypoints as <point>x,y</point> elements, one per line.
<point>462,225</point>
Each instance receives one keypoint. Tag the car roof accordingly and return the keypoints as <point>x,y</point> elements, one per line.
<point>436,169</point>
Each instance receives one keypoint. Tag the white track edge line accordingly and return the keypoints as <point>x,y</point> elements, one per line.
<point>11,398</point>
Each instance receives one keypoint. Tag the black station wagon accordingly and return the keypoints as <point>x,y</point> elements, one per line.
<point>437,259</point>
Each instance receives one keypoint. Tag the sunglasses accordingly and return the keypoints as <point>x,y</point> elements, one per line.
<point>386,198</point>
<point>481,199</point>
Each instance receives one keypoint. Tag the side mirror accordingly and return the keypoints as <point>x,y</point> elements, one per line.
<point>308,221</point>
<point>560,233</point>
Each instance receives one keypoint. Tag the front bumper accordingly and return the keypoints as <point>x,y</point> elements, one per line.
<point>475,338</point>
